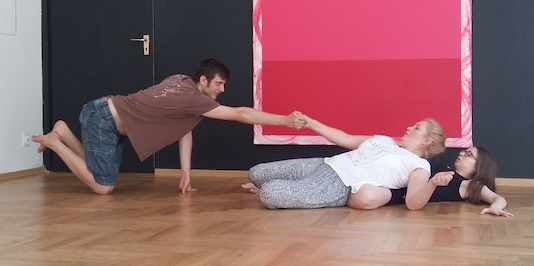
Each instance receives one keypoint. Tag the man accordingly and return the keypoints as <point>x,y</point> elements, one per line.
<point>152,119</point>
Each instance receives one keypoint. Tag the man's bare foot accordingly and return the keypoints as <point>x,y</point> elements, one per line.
<point>41,148</point>
<point>251,187</point>
<point>45,140</point>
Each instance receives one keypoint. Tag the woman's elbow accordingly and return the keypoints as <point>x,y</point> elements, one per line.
<point>413,206</point>
<point>501,200</point>
<point>360,202</point>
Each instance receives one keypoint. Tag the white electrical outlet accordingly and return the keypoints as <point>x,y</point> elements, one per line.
<point>25,140</point>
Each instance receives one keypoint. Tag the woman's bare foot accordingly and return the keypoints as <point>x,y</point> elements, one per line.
<point>46,140</point>
<point>251,187</point>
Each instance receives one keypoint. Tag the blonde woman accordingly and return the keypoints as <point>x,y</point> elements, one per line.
<point>375,160</point>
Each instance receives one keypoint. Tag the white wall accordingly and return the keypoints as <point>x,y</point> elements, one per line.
<point>21,108</point>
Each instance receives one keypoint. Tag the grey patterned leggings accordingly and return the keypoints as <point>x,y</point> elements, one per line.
<point>298,183</point>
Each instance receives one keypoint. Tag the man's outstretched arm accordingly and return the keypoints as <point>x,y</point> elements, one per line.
<point>252,116</point>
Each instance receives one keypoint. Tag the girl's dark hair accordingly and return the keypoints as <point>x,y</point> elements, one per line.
<point>210,67</point>
<point>484,175</point>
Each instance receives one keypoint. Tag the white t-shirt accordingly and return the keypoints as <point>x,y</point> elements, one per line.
<point>377,161</point>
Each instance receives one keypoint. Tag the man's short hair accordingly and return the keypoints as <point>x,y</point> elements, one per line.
<point>210,67</point>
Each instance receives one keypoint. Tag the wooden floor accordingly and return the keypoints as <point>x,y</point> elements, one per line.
<point>52,219</point>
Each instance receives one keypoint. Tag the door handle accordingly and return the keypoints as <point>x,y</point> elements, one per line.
<point>146,43</point>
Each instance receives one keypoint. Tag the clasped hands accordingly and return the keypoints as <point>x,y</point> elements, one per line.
<point>297,120</point>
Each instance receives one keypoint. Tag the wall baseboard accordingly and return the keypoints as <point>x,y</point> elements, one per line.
<point>23,173</point>
<point>163,172</point>
<point>514,182</point>
<point>199,172</point>
<point>500,182</point>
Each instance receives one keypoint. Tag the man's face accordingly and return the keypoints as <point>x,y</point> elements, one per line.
<point>214,87</point>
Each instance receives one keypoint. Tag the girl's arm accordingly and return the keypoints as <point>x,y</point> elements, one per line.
<point>498,203</point>
<point>334,135</point>
<point>420,188</point>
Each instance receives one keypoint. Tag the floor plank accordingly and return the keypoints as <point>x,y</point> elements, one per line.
<point>53,219</point>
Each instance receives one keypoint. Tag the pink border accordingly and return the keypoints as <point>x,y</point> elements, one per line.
<point>466,107</point>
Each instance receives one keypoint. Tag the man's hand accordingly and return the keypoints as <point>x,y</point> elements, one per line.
<point>185,184</point>
<point>442,178</point>
<point>295,120</point>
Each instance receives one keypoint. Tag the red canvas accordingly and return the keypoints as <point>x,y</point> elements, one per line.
<point>367,67</point>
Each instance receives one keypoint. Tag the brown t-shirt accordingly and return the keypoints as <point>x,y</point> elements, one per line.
<point>162,114</point>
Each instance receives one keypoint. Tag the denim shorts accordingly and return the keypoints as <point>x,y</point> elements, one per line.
<point>102,143</point>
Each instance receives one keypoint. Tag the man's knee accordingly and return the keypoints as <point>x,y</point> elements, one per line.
<point>102,190</point>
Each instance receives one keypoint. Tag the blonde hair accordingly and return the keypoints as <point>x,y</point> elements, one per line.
<point>435,133</point>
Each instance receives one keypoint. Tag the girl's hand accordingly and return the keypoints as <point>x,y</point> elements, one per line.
<point>496,212</point>
<point>442,178</point>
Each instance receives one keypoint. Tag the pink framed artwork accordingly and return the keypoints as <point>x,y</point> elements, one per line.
<point>364,66</point>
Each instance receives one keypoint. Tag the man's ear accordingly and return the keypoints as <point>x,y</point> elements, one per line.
<point>203,81</point>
